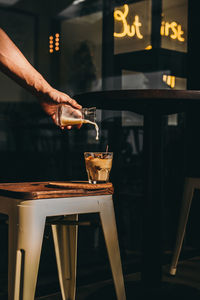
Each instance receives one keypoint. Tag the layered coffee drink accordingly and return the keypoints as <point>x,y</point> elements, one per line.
<point>98,166</point>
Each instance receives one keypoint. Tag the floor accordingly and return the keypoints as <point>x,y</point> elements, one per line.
<point>185,285</point>
<point>94,280</point>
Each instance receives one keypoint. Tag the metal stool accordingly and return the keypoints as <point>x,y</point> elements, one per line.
<point>189,186</point>
<point>28,205</point>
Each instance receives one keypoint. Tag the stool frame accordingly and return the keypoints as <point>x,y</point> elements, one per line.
<point>26,229</point>
<point>190,185</point>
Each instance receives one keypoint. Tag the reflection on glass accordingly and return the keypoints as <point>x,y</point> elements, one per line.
<point>155,80</point>
<point>81,54</point>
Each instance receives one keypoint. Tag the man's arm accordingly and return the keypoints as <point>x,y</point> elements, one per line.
<point>16,66</point>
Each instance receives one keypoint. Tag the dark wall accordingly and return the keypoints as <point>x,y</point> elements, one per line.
<point>193,67</point>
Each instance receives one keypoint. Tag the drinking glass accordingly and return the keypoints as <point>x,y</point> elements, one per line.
<point>98,166</point>
<point>67,115</point>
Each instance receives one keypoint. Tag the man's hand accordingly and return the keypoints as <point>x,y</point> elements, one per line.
<point>50,102</point>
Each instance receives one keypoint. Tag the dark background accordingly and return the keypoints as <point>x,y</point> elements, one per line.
<point>33,149</point>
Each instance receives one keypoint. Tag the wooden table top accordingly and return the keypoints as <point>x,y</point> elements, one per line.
<point>54,189</point>
<point>163,101</point>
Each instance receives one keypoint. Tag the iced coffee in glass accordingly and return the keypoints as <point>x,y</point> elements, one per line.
<point>98,166</point>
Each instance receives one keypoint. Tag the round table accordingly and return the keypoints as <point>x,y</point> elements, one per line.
<point>153,104</point>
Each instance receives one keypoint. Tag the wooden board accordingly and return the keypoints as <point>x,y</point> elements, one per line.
<point>55,189</point>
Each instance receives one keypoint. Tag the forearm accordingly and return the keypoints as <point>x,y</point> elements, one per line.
<point>16,66</point>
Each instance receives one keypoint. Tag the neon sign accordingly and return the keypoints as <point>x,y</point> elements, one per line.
<point>129,30</point>
<point>173,29</point>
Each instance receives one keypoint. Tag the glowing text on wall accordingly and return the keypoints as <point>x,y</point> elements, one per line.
<point>172,30</point>
<point>129,30</point>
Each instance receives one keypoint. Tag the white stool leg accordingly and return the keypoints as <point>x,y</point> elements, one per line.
<point>12,250</point>
<point>107,216</point>
<point>65,242</point>
<point>184,213</point>
<point>29,230</point>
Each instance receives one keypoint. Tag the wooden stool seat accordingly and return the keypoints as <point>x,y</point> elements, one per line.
<point>56,189</point>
